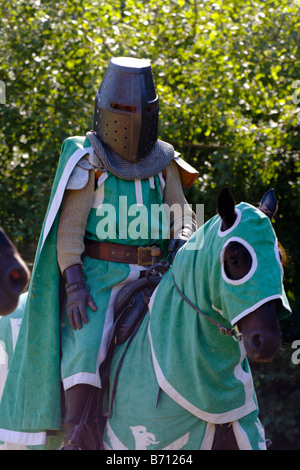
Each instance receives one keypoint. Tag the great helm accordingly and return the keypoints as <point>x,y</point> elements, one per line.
<point>126,108</point>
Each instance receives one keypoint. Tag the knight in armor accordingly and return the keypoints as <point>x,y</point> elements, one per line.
<point>130,161</point>
<point>100,221</point>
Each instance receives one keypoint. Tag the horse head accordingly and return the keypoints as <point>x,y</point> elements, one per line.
<point>14,275</point>
<point>260,329</point>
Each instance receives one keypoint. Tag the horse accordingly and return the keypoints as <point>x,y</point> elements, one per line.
<point>184,382</point>
<point>14,275</point>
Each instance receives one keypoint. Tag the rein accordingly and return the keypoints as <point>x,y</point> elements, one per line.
<point>234,332</point>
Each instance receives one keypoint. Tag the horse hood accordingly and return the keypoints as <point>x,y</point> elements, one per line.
<point>233,299</point>
<point>180,335</point>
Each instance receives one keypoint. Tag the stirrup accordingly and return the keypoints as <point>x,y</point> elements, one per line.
<point>71,444</point>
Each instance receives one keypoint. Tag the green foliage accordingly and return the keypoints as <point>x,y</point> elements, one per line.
<point>278,397</point>
<point>228,79</point>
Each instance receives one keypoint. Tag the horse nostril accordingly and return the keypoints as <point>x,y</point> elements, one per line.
<point>15,274</point>
<point>256,341</point>
<point>17,279</point>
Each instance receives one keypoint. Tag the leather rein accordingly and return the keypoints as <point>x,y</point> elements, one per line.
<point>234,332</point>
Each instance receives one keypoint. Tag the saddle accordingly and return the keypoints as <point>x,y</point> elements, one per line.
<point>132,301</point>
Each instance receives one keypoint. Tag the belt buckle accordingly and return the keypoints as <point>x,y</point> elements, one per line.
<point>141,253</point>
<point>155,254</point>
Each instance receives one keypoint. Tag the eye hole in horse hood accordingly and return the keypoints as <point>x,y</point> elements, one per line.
<point>236,274</point>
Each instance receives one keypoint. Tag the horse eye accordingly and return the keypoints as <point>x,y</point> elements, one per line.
<point>237,261</point>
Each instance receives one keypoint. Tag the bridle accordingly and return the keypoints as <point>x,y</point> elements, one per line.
<point>234,332</point>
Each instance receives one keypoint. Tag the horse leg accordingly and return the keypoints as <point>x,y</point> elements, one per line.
<point>224,438</point>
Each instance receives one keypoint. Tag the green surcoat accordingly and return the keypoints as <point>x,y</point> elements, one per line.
<point>31,399</point>
<point>119,215</point>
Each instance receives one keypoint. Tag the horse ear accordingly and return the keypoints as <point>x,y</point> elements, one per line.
<point>268,204</point>
<point>226,208</point>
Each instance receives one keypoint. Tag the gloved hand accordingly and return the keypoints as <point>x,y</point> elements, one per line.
<point>176,243</point>
<point>77,297</point>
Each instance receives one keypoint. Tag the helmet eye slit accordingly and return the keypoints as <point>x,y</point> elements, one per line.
<point>123,107</point>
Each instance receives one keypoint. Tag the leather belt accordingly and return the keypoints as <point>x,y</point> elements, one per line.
<point>141,255</point>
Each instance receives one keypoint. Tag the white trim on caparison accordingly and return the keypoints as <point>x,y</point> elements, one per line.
<point>259,304</point>
<point>236,223</point>
<point>230,415</point>
<point>236,282</point>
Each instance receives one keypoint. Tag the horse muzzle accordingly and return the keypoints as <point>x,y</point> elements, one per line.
<point>14,281</point>
<point>262,347</point>
<point>261,333</point>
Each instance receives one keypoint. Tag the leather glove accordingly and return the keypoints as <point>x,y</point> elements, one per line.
<point>176,243</point>
<point>77,297</point>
